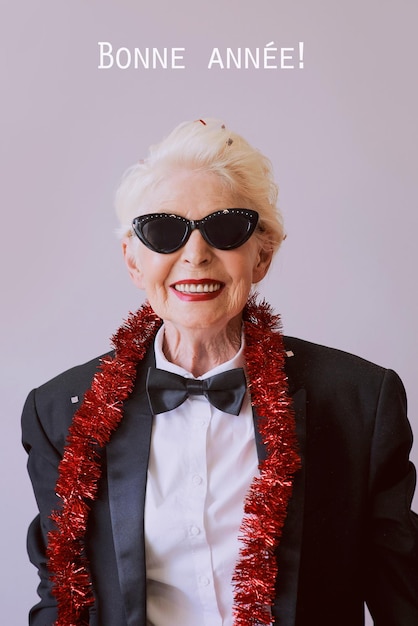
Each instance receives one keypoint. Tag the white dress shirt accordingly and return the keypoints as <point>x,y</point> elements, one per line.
<point>201,464</point>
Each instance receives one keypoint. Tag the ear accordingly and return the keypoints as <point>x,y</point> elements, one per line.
<point>134,270</point>
<point>262,264</point>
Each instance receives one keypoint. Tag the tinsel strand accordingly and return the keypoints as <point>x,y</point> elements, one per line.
<point>79,470</point>
<point>266,504</point>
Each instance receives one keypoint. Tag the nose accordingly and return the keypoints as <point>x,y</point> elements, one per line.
<point>196,251</point>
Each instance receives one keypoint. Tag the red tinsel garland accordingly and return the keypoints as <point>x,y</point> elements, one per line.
<point>266,504</point>
<point>99,416</point>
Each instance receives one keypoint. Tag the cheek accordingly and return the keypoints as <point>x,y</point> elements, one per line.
<point>241,272</point>
<point>155,269</point>
<point>244,264</point>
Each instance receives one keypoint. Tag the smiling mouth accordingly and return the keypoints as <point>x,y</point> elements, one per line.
<point>197,287</point>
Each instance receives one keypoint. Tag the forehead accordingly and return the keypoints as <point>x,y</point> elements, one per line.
<point>191,194</point>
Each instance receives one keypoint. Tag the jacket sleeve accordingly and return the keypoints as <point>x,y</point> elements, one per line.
<point>392,559</point>
<point>43,460</point>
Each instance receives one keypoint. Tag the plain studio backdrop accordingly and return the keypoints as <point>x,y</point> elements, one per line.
<point>341,133</point>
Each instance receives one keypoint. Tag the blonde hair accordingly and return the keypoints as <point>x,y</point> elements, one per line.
<point>206,146</point>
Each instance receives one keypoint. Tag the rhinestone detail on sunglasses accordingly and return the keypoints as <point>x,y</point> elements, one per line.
<point>166,232</point>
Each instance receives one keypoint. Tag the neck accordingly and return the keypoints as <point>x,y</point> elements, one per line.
<point>200,350</point>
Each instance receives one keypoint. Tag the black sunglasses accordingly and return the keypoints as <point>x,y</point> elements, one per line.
<point>226,229</point>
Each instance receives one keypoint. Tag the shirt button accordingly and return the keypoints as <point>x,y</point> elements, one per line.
<point>197,480</point>
<point>203,581</point>
<point>194,531</point>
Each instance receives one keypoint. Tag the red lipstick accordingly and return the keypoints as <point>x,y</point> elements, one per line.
<point>192,290</point>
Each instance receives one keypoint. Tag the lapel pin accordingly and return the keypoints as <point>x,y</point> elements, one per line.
<point>289,353</point>
<point>74,399</point>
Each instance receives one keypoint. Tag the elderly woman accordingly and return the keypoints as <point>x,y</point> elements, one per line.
<point>209,471</point>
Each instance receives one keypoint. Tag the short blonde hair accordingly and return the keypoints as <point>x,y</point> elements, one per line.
<point>206,146</point>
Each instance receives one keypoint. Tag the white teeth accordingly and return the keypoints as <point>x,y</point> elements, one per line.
<point>197,287</point>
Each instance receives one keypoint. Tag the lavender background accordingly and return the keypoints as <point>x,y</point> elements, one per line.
<point>342,136</point>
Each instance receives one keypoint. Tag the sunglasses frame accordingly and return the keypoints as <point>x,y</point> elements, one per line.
<point>139,222</point>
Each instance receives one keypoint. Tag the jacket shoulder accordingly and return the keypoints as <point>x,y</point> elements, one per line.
<point>76,378</point>
<point>313,365</point>
<point>49,409</point>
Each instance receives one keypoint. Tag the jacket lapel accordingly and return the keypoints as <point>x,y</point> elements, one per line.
<point>288,554</point>
<point>127,455</point>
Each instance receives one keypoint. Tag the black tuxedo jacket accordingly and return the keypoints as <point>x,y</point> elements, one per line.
<point>349,535</point>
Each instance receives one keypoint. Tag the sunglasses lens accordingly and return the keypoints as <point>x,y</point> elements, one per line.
<point>226,231</point>
<point>164,234</point>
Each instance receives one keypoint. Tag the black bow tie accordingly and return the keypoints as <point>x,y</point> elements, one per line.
<point>166,391</point>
